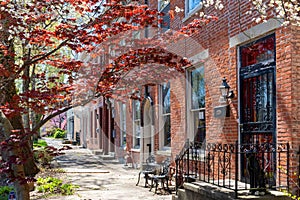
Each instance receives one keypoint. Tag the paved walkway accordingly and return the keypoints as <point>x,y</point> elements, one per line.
<point>100,180</point>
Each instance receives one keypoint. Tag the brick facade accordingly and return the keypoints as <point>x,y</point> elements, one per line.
<point>221,40</point>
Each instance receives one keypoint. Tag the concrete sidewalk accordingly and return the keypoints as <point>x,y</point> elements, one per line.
<point>98,179</point>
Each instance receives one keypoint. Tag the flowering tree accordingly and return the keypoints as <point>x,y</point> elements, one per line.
<point>38,71</point>
<point>286,10</point>
<point>37,37</point>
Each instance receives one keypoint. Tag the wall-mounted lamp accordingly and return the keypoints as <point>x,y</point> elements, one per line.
<point>226,93</point>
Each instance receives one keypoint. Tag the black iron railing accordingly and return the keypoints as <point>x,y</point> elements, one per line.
<point>254,167</point>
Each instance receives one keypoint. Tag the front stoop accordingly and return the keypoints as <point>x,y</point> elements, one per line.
<point>206,191</point>
<point>98,152</point>
<point>110,157</point>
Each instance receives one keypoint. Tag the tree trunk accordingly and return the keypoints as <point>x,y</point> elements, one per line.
<point>30,168</point>
<point>22,189</point>
<point>22,151</point>
<point>12,124</point>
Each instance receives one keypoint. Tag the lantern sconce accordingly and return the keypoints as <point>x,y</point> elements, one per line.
<point>224,110</point>
<point>226,93</point>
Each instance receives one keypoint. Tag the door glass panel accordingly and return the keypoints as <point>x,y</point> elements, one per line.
<point>258,52</point>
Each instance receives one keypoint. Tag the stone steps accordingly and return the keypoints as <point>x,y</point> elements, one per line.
<point>207,191</point>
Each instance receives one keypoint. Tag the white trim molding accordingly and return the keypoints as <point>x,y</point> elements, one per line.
<point>254,32</point>
<point>199,57</point>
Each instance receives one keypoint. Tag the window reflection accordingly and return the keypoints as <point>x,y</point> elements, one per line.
<point>198,88</point>
<point>166,110</point>
<point>193,4</point>
<point>261,51</point>
<point>198,104</point>
<point>137,124</point>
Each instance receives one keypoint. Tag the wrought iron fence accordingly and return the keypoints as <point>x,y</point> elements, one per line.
<point>253,167</point>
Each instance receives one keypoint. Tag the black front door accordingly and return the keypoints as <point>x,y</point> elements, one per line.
<point>257,98</point>
<point>258,107</point>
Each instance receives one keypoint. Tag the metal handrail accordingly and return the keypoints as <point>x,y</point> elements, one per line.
<point>225,165</point>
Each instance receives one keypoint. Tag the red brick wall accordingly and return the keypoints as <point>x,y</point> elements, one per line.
<point>292,55</point>
<point>178,120</point>
<point>119,151</point>
<point>284,84</point>
<point>222,62</point>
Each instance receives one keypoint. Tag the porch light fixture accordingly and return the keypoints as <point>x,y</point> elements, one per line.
<point>226,93</point>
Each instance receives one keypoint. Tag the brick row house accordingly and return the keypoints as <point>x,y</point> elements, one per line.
<point>259,62</point>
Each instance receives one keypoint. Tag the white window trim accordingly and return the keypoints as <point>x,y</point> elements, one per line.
<point>187,13</point>
<point>160,7</point>
<point>134,137</point>
<point>122,122</point>
<point>189,111</point>
<point>257,31</point>
<point>162,147</point>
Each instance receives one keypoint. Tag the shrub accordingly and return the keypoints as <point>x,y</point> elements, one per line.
<point>52,185</point>
<point>4,192</point>
<point>56,133</point>
<point>40,143</point>
<point>59,133</point>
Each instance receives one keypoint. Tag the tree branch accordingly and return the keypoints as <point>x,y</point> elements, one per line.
<point>44,120</point>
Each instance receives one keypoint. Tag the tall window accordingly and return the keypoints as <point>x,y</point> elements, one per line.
<point>91,125</point>
<point>166,114</point>
<point>95,123</point>
<point>162,4</point>
<point>198,103</point>
<point>122,124</point>
<point>191,5</point>
<point>136,124</point>
<point>165,24</point>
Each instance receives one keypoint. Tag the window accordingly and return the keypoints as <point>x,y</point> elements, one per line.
<point>136,124</point>
<point>165,24</point>
<point>262,51</point>
<point>162,4</point>
<point>197,104</point>
<point>91,125</point>
<point>166,114</point>
<point>191,5</point>
<point>95,123</point>
<point>122,107</point>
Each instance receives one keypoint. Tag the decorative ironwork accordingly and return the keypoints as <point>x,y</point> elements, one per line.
<point>258,91</point>
<point>219,164</point>
<point>258,127</point>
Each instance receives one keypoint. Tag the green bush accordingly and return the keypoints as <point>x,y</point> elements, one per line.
<point>52,185</point>
<point>68,189</point>
<point>56,133</point>
<point>59,133</point>
<point>40,143</point>
<point>4,192</point>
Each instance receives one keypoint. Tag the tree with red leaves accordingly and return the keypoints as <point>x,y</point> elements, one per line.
<point>38,71</point>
